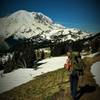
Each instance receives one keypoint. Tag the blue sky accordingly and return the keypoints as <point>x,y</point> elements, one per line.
<point>82,14</point>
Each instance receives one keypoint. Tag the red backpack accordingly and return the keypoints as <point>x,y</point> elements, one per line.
<point>68,64</point>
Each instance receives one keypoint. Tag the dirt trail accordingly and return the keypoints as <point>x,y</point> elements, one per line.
<point>89,90</point>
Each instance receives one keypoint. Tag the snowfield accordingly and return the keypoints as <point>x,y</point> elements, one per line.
<point>95,69</point>
<point>18,77</point>
<point>23,75</point>
<point>91,55</point>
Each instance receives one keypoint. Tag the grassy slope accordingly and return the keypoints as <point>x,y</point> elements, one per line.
<point>40,88</point>
<point>53,86</point>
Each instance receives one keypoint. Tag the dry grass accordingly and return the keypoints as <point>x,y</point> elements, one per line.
<point>53,86</point>
<point>40,88</point>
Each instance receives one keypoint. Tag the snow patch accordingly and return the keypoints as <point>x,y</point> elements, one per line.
<point>20,76</point>
<point>95,69</point>
<point>90,55</point>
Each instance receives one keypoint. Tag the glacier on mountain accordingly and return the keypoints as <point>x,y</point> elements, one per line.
<point>24,24</point>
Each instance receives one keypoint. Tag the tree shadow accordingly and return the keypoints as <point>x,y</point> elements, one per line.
<point>36,65</point>
<point>85,89</point>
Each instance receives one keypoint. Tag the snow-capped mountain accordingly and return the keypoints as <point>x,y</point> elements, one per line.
<point>67,34</point>
<point>24,24</point>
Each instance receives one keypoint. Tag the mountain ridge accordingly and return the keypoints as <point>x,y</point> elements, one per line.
<point>24,24</point>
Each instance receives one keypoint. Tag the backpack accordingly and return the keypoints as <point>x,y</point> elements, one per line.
<point>68,64</point>
<point>78,66</point>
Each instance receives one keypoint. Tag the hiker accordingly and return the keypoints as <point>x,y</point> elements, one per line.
<point>74,67</point>
<point>80,69</point>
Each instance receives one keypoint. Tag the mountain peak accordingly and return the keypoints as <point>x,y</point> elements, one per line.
<point>18,13</point>
<point>25,24</point>
<point>42,17</point>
